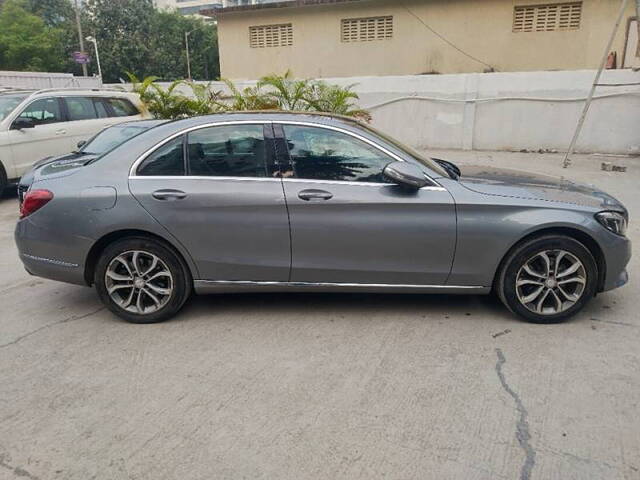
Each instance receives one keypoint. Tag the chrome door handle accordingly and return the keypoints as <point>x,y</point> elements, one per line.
<point>61,132</point>
<point>313,194</point>
<point>168,195</point>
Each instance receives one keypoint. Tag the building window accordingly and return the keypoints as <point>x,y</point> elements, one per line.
<point>547,18</point>
<point>366,29</point>
<point>271,36</point>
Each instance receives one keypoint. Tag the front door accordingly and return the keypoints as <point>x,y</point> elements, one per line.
<point>225,204</point>
<point>49,137</point>
<point>349,225</point>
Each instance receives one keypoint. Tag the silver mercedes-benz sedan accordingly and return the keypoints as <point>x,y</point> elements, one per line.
<point>298,202</point>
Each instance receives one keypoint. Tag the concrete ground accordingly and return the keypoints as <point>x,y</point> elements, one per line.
<point>304,386</point>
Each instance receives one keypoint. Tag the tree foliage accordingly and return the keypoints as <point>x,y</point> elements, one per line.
<point>132,36</point>
<point>26,41</point>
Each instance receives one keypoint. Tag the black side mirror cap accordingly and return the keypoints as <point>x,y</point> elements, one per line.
<point>22,123</point>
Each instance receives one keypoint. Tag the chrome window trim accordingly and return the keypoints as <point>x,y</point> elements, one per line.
<point>330,284</point>
<point>146,153</point>
<point>201,177</point>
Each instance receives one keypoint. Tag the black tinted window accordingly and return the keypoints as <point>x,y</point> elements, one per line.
<point>229,151</point>
<point>122,107</point>
<point>166,160</point>
<point>43,111</point>
<point>322,154</point>
<point>80,108</point>
<point>101,107</point>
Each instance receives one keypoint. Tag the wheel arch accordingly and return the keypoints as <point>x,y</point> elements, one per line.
<point>587,240</point>
<point>98,247</point>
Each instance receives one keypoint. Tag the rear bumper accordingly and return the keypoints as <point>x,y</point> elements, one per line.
<point>50,256</point>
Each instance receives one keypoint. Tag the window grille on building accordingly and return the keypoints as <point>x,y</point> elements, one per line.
<point>264,36</point>
<point>548,17</point>
<point>367,29</point>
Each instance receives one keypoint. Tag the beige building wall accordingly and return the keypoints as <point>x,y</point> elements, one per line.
<point>482,28</point>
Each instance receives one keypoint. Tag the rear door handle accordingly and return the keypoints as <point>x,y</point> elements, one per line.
<point>168,195</point>
<point>313,194</point>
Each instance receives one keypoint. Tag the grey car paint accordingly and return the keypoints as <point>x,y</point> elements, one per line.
<point>234,234</point>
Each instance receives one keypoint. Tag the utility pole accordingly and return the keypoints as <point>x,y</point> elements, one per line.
<point>587,104</point>
<point>80,37</point>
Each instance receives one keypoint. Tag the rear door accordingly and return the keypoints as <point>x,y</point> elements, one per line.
<point>348,225</point>
<point>49,137</point>
<point>216,189</point>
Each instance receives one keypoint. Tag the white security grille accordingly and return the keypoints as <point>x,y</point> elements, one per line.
<point>264,36</point>
<point>367,29</point>
<point>547,18</point>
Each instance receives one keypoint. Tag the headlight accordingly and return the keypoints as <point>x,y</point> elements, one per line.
<point>613,221</point>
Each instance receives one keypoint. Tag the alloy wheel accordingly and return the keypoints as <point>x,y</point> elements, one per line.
<point>551,282</point>
<point>139,282</point>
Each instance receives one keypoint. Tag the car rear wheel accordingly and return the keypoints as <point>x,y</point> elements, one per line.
<point>548,279</point>
<point>141,280</point>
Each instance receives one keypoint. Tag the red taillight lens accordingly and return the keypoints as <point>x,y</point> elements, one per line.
<point>34,200</point>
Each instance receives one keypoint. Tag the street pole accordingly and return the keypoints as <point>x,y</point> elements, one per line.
<point>80,37</point>
<point>567,161</point>
<point>95,45</point>
<point>186,42</point>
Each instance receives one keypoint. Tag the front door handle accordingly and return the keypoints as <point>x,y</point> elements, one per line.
<point>312,194</point>
<point>61,131</point>
<point>168,195</point>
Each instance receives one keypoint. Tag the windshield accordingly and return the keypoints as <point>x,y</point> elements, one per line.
<point>427,162</point>
<point>110,138</point>
<point>8,103</point>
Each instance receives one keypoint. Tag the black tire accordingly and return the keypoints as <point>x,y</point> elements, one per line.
<point>182,283</point>
<point>522,253</point>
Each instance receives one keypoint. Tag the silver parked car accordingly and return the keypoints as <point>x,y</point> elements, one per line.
<point>297,202</point>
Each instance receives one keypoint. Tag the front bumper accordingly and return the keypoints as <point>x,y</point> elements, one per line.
<point>617,253</point>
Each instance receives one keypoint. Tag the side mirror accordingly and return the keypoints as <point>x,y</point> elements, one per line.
<point>405,174</point>
<point>23,122</point>
<point>81,144</point>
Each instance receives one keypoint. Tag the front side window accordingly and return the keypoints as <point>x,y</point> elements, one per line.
<point>321,154</point>
<point>122,107</point>
<point>228,151</point>
<point>80,108</point>
<point>166,160</point>
<point>43,111</point>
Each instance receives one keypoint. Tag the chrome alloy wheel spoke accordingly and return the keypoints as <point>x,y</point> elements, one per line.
<point>551,282</point>
<point>139,282</point>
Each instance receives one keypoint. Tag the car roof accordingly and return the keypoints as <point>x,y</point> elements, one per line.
<point>63,91</point>
<point>274,116</point>
<point>141,123</point>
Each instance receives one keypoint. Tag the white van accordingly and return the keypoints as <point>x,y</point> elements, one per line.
<point>37,124</point>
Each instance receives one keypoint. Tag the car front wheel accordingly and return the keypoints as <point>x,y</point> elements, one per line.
<point>548,279</point>
<point>141,280</point>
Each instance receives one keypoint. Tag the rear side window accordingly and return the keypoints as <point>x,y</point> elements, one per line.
<point>80,108</point>
<point>166,160</point>
<point>228,151</point>
<point>43,111</point>
<point>122,107</point>
<point>101,107</point>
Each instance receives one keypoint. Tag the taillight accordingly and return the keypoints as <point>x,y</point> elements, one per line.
<point>34,200</point>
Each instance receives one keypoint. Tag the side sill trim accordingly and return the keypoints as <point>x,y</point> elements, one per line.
<point>247,283</point>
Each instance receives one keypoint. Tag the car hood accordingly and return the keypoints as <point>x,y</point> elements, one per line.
<point>519,184</point>
<point>56,166</point>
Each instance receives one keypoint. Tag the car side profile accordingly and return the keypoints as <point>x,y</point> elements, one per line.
<point>306,202</point>
<point>54,121</point>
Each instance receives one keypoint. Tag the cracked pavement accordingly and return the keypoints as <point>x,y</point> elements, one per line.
<point>321,386</point>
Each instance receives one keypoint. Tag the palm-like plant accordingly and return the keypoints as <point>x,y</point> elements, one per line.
<point>272,92</point>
